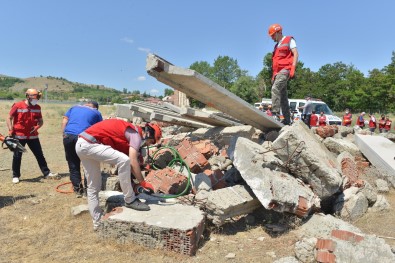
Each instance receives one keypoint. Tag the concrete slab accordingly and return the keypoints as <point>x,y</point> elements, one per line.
<point>203,89</point>
<point>379,150</point>
<point>173,227</point>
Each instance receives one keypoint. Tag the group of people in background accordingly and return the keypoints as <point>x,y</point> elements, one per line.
<point>384,124</point>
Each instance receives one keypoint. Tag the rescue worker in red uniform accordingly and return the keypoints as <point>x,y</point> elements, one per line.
<point>269,110</point>
<point>23,123</point>
<point>116,142</point>
<point>313,119</point>
<point>361,120</point>
<point>347,118</point>
<point>284,60</point>
<point>382,123</point>
<point>322,119</point>
<point>372,123</point>
<point>388,124</point>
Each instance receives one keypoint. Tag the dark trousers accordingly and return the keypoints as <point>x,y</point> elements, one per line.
<point>35,147</point>
<point>74,162</point>
<point>306,120</point>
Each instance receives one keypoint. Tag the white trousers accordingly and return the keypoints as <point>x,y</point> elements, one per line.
<point>91,155</point>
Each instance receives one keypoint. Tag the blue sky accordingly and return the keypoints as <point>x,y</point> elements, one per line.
<point>106,42</point>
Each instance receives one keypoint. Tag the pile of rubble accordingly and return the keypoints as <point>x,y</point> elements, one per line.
<point>313,175</point>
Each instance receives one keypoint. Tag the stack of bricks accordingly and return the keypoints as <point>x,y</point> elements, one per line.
<point>350,171</point>
<point>327,131</point>
<point>191,155</point>
<point>167,181</point>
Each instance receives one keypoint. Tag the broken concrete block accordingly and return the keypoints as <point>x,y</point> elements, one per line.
<point>167,181</point>
<point>228,202</point>
<point>369,192</point>
<point>308,159</point>
<point>202,182</point>
<point>351,204</point>
<point>76,210</point>
<point>304,249</point>
<point>275,190</point>
<point>110,183</point>
<point>172,227</point>
<point>217,178</point>
<point>382,186</point>
<point>380,205</point>
<point>287,260</point>
<point>351,245</point>
<point>339,145</point>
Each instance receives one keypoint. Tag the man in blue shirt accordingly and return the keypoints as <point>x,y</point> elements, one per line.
<point>77,119</point>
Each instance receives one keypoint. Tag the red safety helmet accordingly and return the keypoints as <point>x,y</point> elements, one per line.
<point>157,131</point>
<point>33,92</point>
<point>274,28</point>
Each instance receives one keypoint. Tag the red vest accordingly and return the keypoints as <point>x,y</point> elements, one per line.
<point>322,120</point>
<point>388,125</point>
<point>269,113</point>
<point>313,120</point>
<point>361,121</point>
<point>282,57</point>
<point>347,118</point>
<point>382,123</point>
<point>111,132</point>
<point>25,118</point>
<point>372,124</point>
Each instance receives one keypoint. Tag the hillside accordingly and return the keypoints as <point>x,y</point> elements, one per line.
<point>58,88</point>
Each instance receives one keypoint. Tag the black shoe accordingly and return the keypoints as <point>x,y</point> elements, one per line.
<point>138,205</point>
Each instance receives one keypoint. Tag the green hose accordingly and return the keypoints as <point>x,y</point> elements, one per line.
<point>176,160</point>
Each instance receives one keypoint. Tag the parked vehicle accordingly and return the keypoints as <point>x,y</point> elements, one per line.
<point>318,106</point>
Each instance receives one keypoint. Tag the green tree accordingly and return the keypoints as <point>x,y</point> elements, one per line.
<point>226,71</point>
<point>204,68</point>
<point>169,92</point>
<point>246,87</point>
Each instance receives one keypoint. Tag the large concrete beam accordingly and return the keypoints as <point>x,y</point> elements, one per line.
<point>380,151</point>
<point>203,89</point>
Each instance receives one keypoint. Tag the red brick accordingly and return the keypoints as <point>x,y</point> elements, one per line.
<point>326,244</point>
<point>206,148</point>
<point>350,171</point>
<point>192,157</point>
<point>326,131</point>
<point>347,235</point>
<point>303,207</point>
<point>325,257</point>
<point>216,178</point>
<point>167,181</point>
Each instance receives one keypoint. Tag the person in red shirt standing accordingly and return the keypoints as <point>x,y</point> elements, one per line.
<point>313,119</point>
<point>23,123</point>
<point>388,123</point>
<point>382,123</point>
<point>372,123</point>
<point>322,119</point>
<point>284,61</point>
<point>347,118</point>
<point>361,120</point>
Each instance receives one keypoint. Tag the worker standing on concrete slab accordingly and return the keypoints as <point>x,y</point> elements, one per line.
<point>116,142</point>
<point>76,120</point>
<point>284,60</point>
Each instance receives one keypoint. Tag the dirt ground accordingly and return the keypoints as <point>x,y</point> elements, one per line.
<point>36,224</point>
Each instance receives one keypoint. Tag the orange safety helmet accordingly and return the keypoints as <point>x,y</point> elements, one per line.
<point>157,131</point>
<point>33,92</point>
<point>274,28</point>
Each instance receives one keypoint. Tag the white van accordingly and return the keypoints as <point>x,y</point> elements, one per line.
<point>318,106</point>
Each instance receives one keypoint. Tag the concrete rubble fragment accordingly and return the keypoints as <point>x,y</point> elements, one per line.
<point>339,145</point>
<point>338,241</point>
<point>275,190</point>
<point>308,159</point>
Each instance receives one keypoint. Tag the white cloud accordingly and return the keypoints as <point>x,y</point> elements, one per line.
<point>127,40</point>
<point>143,49</point>
<point>153,91</point>
<point>141,78</point>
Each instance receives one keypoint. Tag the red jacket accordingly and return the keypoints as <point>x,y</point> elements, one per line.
<point>111,132</point>
<point>347,119</point>
<point>361,121</point>
<point>388,125</point>
<point>282,57</point>
<point>322,120</point>
<point>372,122</point>
<point>313,120</point>
<point>382,123</point>
<point>25,117</point>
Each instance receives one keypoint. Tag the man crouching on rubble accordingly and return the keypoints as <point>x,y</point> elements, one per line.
<point>116,142</point>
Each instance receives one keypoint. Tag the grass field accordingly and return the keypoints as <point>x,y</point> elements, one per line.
<point>36,224</point>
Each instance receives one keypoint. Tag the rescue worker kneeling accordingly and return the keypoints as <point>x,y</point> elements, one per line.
<point>116,142</point>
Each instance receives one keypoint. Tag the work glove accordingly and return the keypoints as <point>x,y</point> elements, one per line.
<point>144,187</point>
<point>292,73</point>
